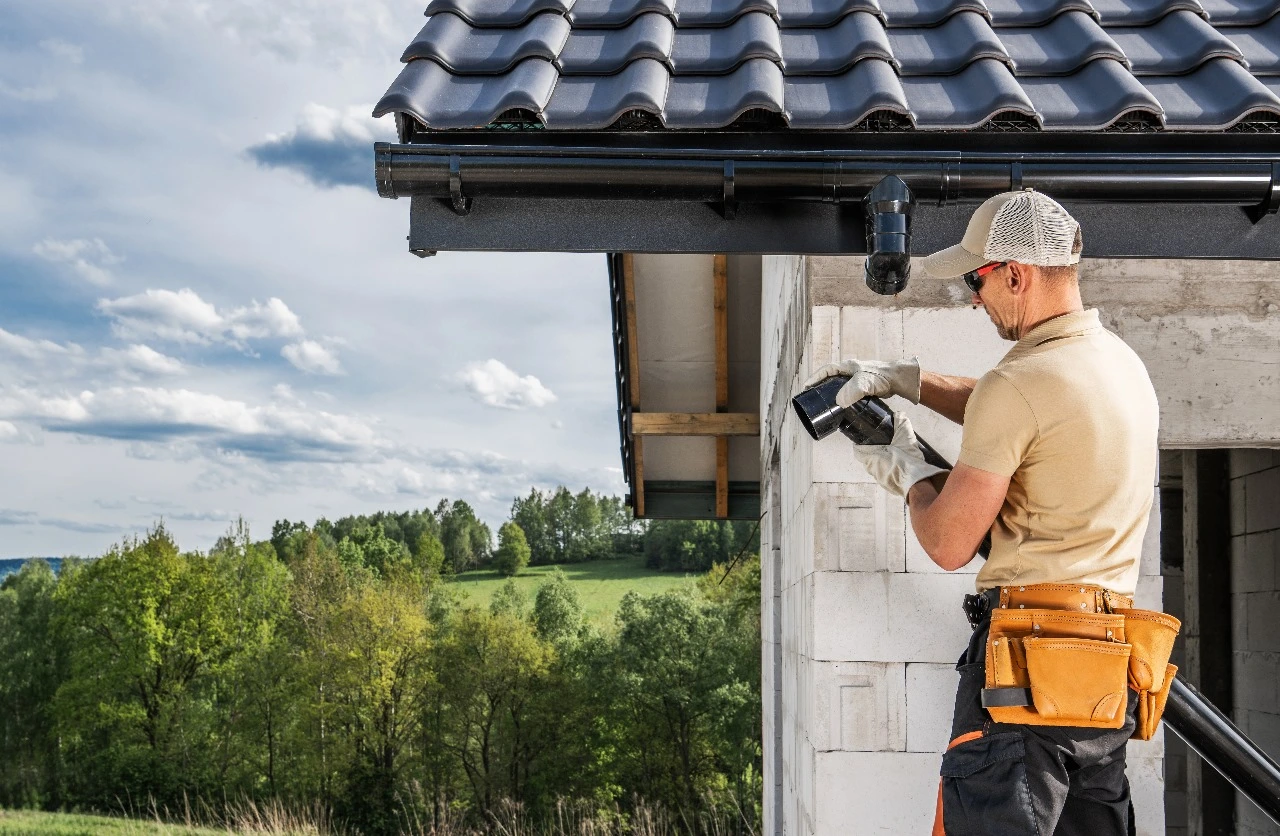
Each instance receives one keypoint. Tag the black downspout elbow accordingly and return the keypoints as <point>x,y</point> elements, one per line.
<point>888,208</point>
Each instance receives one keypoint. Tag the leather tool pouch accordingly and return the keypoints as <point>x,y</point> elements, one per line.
<point>1150,674</point>
<point>1057,668</point>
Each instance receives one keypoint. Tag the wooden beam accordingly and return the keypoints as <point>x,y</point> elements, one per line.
<point>633,377</point>
<point>720,309</point>
<point>694,423</point>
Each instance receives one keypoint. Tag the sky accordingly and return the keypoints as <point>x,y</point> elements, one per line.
<point>207,312</point>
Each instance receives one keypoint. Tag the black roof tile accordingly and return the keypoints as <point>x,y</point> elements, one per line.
<point>1177,43</point>
<point>836,48</point>
<point>1097,96</point>
<point>1060,47</point>
<point>924,65</point>
<point>754,35</point>
<point>465,49</point>
<point>606,51</point>
<point>1216,96</point>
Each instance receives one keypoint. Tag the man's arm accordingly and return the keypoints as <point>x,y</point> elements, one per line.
<point>945,394</point>
<point>950,524</point>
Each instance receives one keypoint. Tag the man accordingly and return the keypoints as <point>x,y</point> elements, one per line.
<point>1058,464</point>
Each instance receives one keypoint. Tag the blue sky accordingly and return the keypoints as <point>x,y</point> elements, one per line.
<point>206,311</point>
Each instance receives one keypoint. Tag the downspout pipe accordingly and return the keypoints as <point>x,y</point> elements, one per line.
<point>463,173</point>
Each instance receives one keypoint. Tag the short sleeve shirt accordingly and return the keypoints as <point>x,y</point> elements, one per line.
<point>1071,417</point>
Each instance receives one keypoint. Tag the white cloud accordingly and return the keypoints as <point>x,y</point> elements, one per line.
<point>494,384</point>
<point>88,258</point>
<point>142,359</point>
<point>312,357</point>
<point>7,431</point>
<point>63,51</point>
<point>183,316</point>
<point>409,481</point>
<point>26,348</point>
<point>145,414</point>
<point>328,146</point>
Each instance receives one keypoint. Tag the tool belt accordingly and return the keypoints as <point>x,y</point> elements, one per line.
<point>1066,655</point>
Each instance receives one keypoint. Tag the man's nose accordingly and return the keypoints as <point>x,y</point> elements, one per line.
<point>977,300</point>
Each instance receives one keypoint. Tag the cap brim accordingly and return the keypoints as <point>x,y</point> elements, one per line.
<point>952,262</point>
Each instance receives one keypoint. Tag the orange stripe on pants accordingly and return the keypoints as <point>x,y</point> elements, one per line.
<point>938,829</point>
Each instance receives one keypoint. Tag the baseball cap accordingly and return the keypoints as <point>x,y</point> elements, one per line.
<point>1027,226</point>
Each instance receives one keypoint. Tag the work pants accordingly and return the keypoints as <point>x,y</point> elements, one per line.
<point>1002,779</point>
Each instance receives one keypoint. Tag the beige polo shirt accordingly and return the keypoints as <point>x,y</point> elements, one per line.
<point>1070,415</point>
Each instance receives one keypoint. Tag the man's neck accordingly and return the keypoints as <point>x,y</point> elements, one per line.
<point>1059,305</point>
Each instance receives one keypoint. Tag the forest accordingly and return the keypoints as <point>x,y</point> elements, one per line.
<point>334,666</point>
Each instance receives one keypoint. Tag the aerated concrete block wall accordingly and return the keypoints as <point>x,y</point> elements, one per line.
<point>862,631</point>
<point>1255,594</point>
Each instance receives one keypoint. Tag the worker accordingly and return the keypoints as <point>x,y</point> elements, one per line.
<point>1057,465</point>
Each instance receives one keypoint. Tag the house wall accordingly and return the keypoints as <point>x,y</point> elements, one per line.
<point>867,629</point>
<point>1255,611</point>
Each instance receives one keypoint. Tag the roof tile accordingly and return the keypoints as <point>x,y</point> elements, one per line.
<point>1093,98</point>
<point>461,48</point>
<point>927,12</point>
<point>819,13</point>
<point>1177,43</point>
<point>941,50</point>
<point>609,14</point>
<point>1060,47</point>
<point>440,99</point>
<point>1260,45</point>
<point>834,49</point>
<point>605,51</point>
<point>720,12</point>
<point>1241,12</point>
<point>754,35</point>
<point>1033,12</point>
<point>715,101</point>
<point>1139,12</point>
<point>594,102</point>
<point>1214,97</point>
<point>842,101</point>
<point>966,100</point>
<point>497,12</point>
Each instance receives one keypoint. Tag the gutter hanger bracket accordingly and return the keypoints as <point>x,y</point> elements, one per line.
<point>729,203</point>
<point>461,203</point>
<point>1271,203</point>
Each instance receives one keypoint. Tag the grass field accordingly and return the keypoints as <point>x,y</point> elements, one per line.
<point>31,823</point>
<point>600,584</point>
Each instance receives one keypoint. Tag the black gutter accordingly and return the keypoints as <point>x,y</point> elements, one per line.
<point>462,171</point>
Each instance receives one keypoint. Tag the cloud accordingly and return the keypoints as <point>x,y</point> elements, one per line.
<point>10,516</point>
<point>142,359</point>
<point>182,316</point>
<point>63,51</point>
<point>273,432</point>
<point>493,384</point>
<point>37,351</point>
<point>8,431</point>
<point>328,147</point>
<point>311,357</point>
<point>88,258</point>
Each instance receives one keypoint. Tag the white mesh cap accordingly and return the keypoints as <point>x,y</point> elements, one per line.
<point>1026,226</point>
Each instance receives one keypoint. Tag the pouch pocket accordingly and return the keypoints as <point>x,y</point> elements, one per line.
<point>1078,681</point>
<point>1151,706</point>
<point>1151,634</point>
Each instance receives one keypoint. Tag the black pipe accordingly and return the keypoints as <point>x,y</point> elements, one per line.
<point>501,169</point>
<point>1224,747</point>
<point>1188,714</point>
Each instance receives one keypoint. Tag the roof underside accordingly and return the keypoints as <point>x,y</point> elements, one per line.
<point>862,65</point>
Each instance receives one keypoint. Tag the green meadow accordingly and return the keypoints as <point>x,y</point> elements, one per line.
<point>600,584</point>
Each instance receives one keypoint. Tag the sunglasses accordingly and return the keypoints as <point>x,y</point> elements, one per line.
<point>974,277</point>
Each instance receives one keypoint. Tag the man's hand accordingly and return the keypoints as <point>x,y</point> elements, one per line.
<point>898,465</point>
<point>872,377</point>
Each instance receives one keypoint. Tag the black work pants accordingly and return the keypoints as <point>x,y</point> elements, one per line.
<point>1001,779</point>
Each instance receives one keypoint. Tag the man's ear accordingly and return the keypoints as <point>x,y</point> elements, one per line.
<point>1018,276</point>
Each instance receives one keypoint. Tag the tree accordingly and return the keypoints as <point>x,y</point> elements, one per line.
<point>557,611</point>
<point>513,550</point>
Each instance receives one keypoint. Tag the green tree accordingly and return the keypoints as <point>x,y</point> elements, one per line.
<point>512,555</point>
<point>557,611</point>
<point>509,599</point>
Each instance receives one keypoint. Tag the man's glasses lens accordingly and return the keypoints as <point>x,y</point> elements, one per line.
<point>974,278</point>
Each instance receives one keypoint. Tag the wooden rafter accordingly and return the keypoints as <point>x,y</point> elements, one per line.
<point>695,423</point>
<point>720,304</point>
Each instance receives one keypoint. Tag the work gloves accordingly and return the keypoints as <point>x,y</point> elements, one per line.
<point>898,465</point>
<point>872,377</point>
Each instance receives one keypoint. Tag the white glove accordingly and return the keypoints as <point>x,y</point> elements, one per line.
<point>872,377</point>
<point>898,465</point>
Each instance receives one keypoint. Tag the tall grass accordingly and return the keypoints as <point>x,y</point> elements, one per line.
<point>583,818</point>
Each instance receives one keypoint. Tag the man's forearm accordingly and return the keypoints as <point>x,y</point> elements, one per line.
<point>945,394</point>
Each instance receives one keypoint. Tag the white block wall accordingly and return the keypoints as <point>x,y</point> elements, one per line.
<point>870,629</point>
